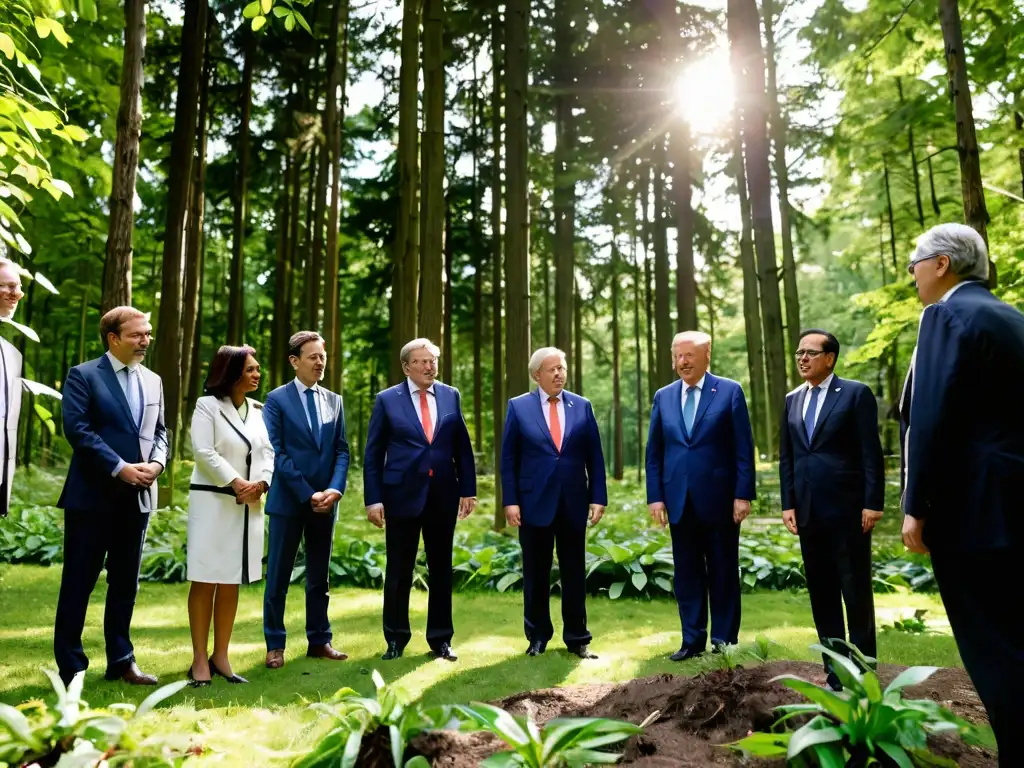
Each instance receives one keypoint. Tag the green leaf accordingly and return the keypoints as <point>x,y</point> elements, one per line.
<point>502,760</point>
<point>159,695</point>
<point>417,762</point>
<point>6,45</point>
<point>615,590</point>
<point>266,5</point>
<point>258,23</point>
<point>87,10</point>
<point>42,27</point>
<point>907,677</point>
<point>302,22</point>
<point>281,11</point>
<point>75,134</point>
<point>809,737</point>
<point>764,744</point>
<point>639,581</point>
<point>508,580</point>
<point>835,705</point>
<point>41,119</point>
<point>18,726</point>
<point>251,10</point>
<point>897,753</point>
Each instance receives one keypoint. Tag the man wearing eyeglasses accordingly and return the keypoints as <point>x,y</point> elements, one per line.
<point>419,476</point>
<point>833,490</point>
<point>113,410</point>
<point>963,448</point>
<point>10,381</point>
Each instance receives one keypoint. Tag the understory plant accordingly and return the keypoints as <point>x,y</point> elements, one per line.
<point>861,725</point>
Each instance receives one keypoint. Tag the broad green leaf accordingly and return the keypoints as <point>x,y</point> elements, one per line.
<point>508,580</point>
<point>42,120</point>
<point>251,10</point>
<point>618,554</point>
<point>42,27</point>
<point>639,581</point>
<point>584,757</point>
<point>835,705</point>
<point>75,134</point>
<point>302,22</point>
<point>615,590</point>
<point>266,5</point>
<point>289,21</point>
<point>280,11</point>
<point>351,755</point>
<point>258,23</point>
<point>6,45</point>
<point>502,760</point>
<point>87,10</point>
<point>897,753</point>
<point>764,744</point>
<point>417,762</point>
<point>18,726</point>
<point>397,745</point>
<point>912,676</point>
<point>808,737</point>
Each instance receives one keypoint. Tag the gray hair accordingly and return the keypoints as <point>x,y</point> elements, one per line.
<point>968,256</point>
<point>699,338</point>
<point>415,344</point>
<point>537,358</point>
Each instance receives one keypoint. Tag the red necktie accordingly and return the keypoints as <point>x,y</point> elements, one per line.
<point>428,430</point>
<point>556,427</point>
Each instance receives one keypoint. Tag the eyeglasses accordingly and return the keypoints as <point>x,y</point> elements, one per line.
<point>911,265</point>
<point>811,353</point>
<point>10,287</point>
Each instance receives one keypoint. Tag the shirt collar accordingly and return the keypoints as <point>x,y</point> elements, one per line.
<point>117,365</point>
<point>545,397</point>
<point>302,387</point>
<point>699,385</point>
<point>413,388</point>
<point>954,289</point>
<point>825,383</point>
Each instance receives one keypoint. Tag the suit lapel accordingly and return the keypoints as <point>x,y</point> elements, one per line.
<point>835,391</point>
<point>570,417</point>
<point>538,414</point>
<point>445,401</point>
<point>299,411</point>
<point>230,413</point>
<point>796,414</point>
<point>405,395</point>
<point>707,394</point>
<point>110,379</point>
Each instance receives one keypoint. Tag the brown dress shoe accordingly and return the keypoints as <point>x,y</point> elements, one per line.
<point>133,676</point>
<point>326,652</point>
<point>275,658</point>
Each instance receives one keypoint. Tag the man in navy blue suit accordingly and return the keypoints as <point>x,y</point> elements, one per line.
<point>552,475</point>
<point>700,481</point>
<point>419,476</point>
<point>306,425</point>
<point>964,456</point>
<point>833,490</point>
<point>113,410</point>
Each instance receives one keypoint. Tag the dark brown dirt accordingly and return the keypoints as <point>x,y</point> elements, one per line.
<point>700,714</point>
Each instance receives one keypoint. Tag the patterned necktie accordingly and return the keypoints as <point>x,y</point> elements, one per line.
<point>428,428</point>
<point>689,410</point>
<point>812,413</point>
<point>314,419</point>
<point>555,426</point>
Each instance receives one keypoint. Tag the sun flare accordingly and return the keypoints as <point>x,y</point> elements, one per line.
<point>704,92</point>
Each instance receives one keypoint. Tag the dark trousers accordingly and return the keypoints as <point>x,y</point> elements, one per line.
<point>316,530</point>
<point>976,589</point>
<point>539,543</point>
<point>114,534</point>
<point>837,562</point>
<point>706,558</point>
<point>402,536</point>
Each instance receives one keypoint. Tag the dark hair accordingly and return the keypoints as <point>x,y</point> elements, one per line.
<point>831,343</point>
<point>296,342</point>
<point>112,321</point>
<point>226,369</point>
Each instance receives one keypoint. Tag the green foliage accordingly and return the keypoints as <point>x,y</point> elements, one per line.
<point>31,536</point>
<point>862,723</point>
<point>287,10</point>
<point>76,735</point>
<point>911,624</point>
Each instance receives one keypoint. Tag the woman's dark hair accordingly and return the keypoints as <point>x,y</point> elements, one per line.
<point>226,369</point>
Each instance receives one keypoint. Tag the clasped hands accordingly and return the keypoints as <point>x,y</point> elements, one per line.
<point>659,513</point>
<point>140,475</point>
<point>324,501</point>
<point>247,492</point>
<point>513,516</point>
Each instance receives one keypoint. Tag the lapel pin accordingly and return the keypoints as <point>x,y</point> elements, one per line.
<point>713,389</point>
<point>839,389</point>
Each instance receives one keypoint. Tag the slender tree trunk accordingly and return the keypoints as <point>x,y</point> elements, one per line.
<point>637,351</point>
<point>662,314</point>
<point>447,345</point>
<point>644,191</point>
<point>565,175</point>
<point>913,159</point>
<point>931,186</point>
<point>497,357</point>
<point>282,269</point>
<point>432,163</point>
<point>888,205</point>
<point>517,234</point>
<point>236,299</point>
<point>478,268</point>
<point>117,267</point>
<point>682,192</point>
<point>617,460</point>
<point>975,212</point>
<point>405,257</point>
<point>577,321</point>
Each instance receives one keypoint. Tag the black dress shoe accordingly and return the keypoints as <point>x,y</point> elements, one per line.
<point>444,651</point>
<point>536,648</point>
<point>193,683</point>
<point>685,653</point>
<point>393,652</point>
<point>583,651</point>
<point>236,679</point>
<point>832,680</point>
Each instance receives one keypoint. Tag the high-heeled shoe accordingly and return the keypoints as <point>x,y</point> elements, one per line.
<point>194,683</point>
<point>236,679</point>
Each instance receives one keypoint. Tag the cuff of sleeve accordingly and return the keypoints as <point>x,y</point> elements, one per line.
<point>121,464</point>
<point>373,507</point>
<point>333,490</point>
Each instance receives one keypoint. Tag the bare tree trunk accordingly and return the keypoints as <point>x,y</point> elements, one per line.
<point>617,460</point>
<point>682,192</point>
<point>117,267</point>
<point>913,159</point>
<point>637,278</point>
<point>432,163</point>
<point>662,316</point>
<point>236,298</point>
<point>497,357</point>
<point>577,321</point>
<point>478,269</point>
<point>282,270</point>
<point>447,345</point>
<point>644,190</point>
<point>517,234</point>
<point>565,175</point>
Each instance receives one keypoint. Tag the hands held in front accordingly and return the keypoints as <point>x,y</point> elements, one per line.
<point>868,519</point>
<point>324,501</point>
<point>247,492</point>
<point>512,516</point>
<point>140,475</point>
<point>375,514</point>
<point>740,510</point>
<point>658,513</point>
<point>913,535</point>
<point>466,506</point>
<point>596,513</point>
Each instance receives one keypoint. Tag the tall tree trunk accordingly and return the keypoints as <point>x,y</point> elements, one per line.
<point>405,254</point>
<point>236,298</point>
<point>644,190</point>
<point>447,345</point>
<point>779,139</point>
<point>334,118</point>
<point>498,388</point>
<point>617,448</point>
<point>577,322</point>
<point>565,174</point>
<point>662,313</point>
<point>913,159</point>
<point>745,38</point>
<point>478,268</point>
<point>975,212</point>
<point>517,234</point>
<point>682,192</point>
<point>432,163</point>
<point>282,269</point>
<point>117,267</point>
<point>183,143</point>
<point>545,272</point>
<point>637,351</point>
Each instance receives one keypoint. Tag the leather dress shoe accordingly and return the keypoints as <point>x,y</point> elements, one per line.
<point>236,679</point>
<point>832,680</point>
<point>325,651</point>
<point>444,651</point>
<point>132,675</point>
<point>583,651</point>
<point>536,648</point>
<point>685,653</point>
<point>393,652</point>
<point>193,683</point>
<point>275,658</point>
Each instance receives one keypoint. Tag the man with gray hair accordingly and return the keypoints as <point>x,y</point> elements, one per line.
<point>552,475</point>
<point>419,476</point>
<point>963,449</point>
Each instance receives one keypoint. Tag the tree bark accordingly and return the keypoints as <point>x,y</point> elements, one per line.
<point>117,267</point>
<point>577,322</point>
<point>682,192</point>
<point>913,159</point>
<point>497,357</point>
<point>517,234</point>
<point>565,175</point>
<point>478,267</point>
<point>447,345</point>
<point>617,443</point>
<point>236,298</point>
<point>662,313</point>
<point>637,350</point>
<point>432,164</point>
<point>652,370</point>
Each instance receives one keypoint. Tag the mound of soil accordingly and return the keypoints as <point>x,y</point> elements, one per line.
<point>699,714</point>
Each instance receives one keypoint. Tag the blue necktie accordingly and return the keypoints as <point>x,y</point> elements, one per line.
<point>689,410</point>
<point>132,395</point>
<point>314,419</point>
<point>812,412</point>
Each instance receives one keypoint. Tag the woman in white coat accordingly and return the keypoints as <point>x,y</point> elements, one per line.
<point>234,464</point>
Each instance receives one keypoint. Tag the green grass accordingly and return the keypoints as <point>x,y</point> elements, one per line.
<point>247,725</point>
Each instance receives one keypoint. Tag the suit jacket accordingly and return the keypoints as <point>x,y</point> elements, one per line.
<point>98,424</point>
<point>536,476</point>
<point>964,423</point>
<point>841,471</point>
<point>712,467</point>
<point>11,372</point>
<point>398,460</point>
<point>301,467</point>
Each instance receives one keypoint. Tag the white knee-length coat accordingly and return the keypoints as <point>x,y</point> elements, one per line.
<point>225,539</point>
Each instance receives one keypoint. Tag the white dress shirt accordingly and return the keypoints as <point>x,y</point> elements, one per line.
<point>414,392</point>
<point>696,395</point>
<point>117,365</point>
<point>545,406</point>
<point>824,388</point>
<point>318,398</point>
